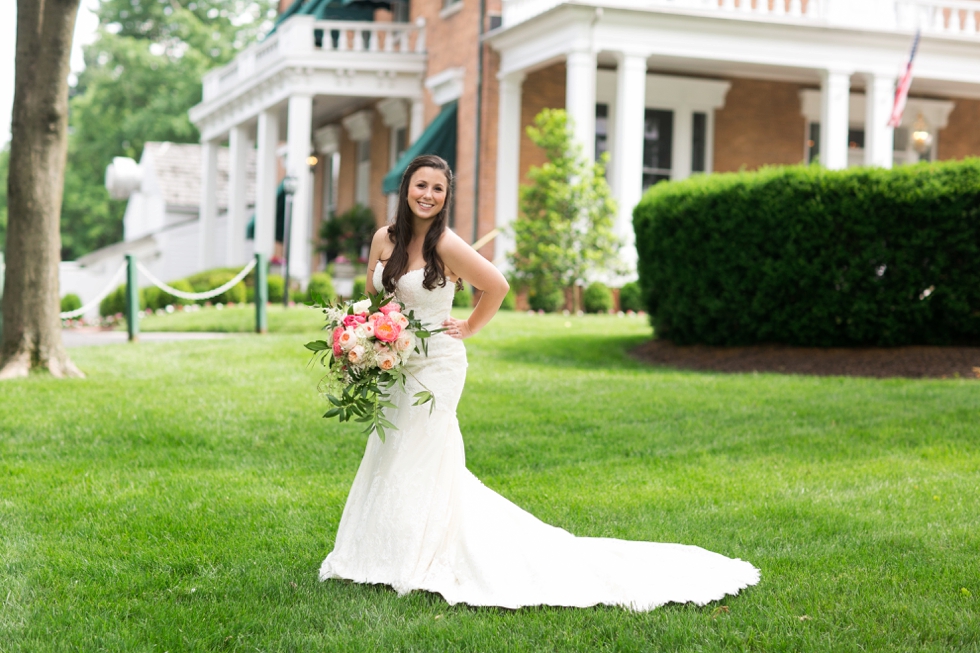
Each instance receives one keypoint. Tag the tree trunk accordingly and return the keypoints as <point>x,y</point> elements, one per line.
<point>38,150</point>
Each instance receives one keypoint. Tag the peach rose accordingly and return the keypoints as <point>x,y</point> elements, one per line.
<point>386,360</point>
<point>347,339</point>
<point>398,319</point>
<point>356,355</point>
<point>385,330</point>
<point>405,342</point>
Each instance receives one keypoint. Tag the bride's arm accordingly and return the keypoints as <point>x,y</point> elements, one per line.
<point>465,262</point>
<point>377,247</point>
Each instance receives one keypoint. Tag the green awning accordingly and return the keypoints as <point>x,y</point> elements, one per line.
<point>362,10</point>
<point>439,138</point>
<point>280,217</point>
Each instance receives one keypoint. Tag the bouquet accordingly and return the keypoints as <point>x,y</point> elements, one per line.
<point>370,341</point>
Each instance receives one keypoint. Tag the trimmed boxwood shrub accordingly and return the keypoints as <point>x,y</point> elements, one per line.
<point>463,298</point>
<point>360,286</point>
<point>323,284</point>
<point>597,298</point>
<point>70,302</point>
<point>631,297</point>
<point>806,256</point>
<point>546,300</point>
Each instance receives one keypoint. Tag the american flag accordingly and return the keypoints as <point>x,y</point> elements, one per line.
<point>902,90</point>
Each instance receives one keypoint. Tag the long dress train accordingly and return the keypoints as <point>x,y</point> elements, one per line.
<point>416,518</point>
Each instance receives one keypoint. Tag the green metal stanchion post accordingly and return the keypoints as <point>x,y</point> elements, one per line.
<point>261,294</point>
<point>132,299</point>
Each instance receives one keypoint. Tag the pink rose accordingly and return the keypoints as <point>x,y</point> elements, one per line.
<point>389,307</point>
<point>385,330</point>
<point>356,355</point>
<point>374,317</point>
<point>335,339</point>
<point>354,320</point>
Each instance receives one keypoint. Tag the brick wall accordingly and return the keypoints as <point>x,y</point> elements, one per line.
<point>347,173</point>
<point>761,124</point>
<point>543,89</point>
<point>961,138</point>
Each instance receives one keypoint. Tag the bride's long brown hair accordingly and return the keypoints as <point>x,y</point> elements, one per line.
<point>400,233</point>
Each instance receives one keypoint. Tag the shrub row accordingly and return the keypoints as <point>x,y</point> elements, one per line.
<point>806,256</point>
<point>153,298</point>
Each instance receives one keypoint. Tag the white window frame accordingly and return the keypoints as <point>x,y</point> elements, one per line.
<point>684,96</point>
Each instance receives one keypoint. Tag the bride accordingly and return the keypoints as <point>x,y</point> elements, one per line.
<point>417,519</point>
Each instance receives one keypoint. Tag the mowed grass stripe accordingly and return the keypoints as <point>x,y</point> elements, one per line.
<point>183,496</point>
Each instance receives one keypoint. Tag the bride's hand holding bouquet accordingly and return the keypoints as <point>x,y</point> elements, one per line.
<point>365,354</point>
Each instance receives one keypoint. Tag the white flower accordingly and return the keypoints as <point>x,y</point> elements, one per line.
<point>362,306</point>
<point>347,339</point>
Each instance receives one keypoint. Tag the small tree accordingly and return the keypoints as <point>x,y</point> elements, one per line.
<point>565,230</point>
<point>349,233</point>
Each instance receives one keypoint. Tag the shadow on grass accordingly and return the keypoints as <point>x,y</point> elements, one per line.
<point>586,351</point>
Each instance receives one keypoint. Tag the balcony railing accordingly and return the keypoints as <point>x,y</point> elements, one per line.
<point>304,36</point>
<point>945,17</point>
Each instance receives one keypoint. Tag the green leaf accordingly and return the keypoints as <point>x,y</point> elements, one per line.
<point>317,345</point>
<point>333,412</point>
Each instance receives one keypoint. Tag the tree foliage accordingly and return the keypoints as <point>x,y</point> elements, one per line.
<point>564,234</point>
<point>142,75</point>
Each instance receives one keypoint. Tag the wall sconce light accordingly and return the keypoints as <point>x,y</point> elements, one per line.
<point>921,136</point>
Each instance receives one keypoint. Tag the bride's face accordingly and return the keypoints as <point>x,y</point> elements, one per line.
<point>427,192</point>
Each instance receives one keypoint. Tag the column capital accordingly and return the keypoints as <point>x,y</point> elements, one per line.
<point>514,78</point>
<point>631,57</point>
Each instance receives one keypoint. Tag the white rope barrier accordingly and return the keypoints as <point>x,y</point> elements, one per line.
<point>196,296</point>
<point>70,315</point>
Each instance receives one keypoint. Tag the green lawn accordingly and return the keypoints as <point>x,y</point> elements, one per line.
<point>183,496</point>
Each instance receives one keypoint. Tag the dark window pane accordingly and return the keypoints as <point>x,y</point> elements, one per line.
<point>700,143</point>
<point>855,138</point>
<point>658,131</point>
<point>814,143</point>
<point>601,129</point>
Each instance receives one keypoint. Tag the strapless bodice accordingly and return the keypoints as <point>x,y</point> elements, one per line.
<point>431,306</point>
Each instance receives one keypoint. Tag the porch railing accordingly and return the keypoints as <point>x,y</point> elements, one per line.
<point>306,36</point>
<point>946,17</point>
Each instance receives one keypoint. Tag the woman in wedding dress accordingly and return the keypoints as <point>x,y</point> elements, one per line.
<point>417,519</point>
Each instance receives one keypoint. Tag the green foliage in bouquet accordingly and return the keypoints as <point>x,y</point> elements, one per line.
<point>361,392</point>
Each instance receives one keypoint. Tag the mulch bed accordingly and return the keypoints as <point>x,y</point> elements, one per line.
<point>879,362</point>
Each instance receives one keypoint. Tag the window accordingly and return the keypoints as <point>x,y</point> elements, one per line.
<point>401,142</point>
<point>658,129</point>
<point>601,130</point>
<point>699,144</point>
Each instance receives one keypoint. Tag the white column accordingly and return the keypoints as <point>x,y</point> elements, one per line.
<point>239,144</point>
<point>627,150</point>
<point>834,107</point>
<point>298,151</point>
<point>508,161</point>
<point>580,72</point>
<point>266,181</point>
<point>416,120</point>
<point>879,138</point>
<point>683,143</point>
<point>209,204</point>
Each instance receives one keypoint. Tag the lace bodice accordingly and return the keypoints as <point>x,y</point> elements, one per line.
<point>431,306</point>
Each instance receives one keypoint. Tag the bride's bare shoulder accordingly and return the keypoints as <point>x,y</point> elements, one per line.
<point>381,244</point>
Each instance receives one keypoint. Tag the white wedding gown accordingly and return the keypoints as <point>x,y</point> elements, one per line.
<point>417,519</point>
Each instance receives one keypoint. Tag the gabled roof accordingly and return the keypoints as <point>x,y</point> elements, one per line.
<point>177,168</point>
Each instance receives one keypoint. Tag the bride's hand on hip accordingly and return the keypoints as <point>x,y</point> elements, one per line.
<point>458,329</point>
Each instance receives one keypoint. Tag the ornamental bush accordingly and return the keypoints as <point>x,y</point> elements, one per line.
<point>70,302</point>
<point>597,298</point>
<point>463,298</point>
<point>807,256</point>
<point>631,297</point>
<point>323,284</point>
<point>549,300</point>
<point>276,288</point>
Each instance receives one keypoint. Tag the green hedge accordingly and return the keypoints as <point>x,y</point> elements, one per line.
<point>806,256</point>
<point>597,298</point>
